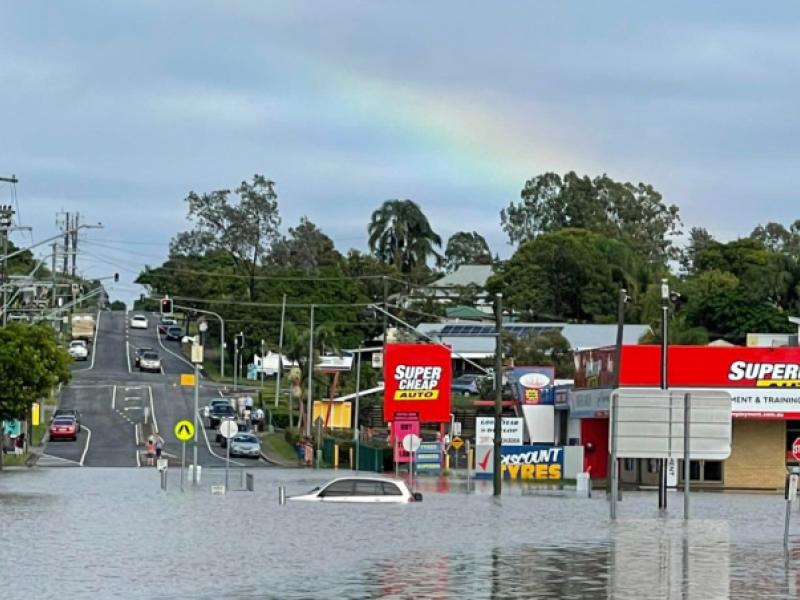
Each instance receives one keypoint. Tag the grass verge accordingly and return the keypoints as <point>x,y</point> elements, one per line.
<point>275,444</point>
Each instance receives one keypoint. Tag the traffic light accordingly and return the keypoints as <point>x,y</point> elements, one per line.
<point>166,307</point>
<point>116,277</point>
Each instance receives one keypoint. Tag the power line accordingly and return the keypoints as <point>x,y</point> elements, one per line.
<point>272,304</point>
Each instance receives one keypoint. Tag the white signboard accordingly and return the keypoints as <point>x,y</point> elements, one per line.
<point>377,360</point>
<point>649,423</point>
<point>511,431</point>
<point>228,429</point>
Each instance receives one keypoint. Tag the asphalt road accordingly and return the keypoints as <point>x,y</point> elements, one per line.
<point>112,397</point>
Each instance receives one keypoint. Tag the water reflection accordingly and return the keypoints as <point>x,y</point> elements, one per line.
<point>100,533</point>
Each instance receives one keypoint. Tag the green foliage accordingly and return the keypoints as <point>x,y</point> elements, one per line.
<point>633,213</point>
<point>117,305</point>
<point>544,349</point>
<point>400,234</point>
<point>466,248</point>
<point>31,364</point>
<point>569,274</point>
<point>306,248</point>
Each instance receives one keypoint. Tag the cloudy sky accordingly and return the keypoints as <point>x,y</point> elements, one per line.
<point>117,109</point>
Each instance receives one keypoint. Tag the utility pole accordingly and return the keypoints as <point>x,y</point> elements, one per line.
<point>662,464</point>
<point>310,373</point>
<point>280,360</point>
<point>612,479</point>
<point>74,243</point>
<point>498,392</point>
<point>66,243</point>
<point>6,218</point>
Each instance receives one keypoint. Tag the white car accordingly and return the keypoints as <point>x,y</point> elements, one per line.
<point>369,490</point>
<point>79,350</point>
<point>149,361</point>
<point>138,322</point>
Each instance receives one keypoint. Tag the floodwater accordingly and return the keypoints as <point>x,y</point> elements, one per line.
<point>113,533</point>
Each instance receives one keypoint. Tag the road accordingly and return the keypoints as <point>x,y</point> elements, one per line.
<point>112,397</point>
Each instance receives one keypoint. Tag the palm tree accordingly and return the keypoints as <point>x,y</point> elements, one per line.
<point>399,233</point>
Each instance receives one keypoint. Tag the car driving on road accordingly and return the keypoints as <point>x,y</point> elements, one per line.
<point>150,361</point>
<point>137,355</point>
<point>217,413</point>
<point>371,490</point>
<point>174,333</point>
<point>165,323</point>
<point>68,412</point>
<point>138,322</point>
<point>64,428</point>
<point>245,444</point>
<point>79,350</point>
<point>240,425</point>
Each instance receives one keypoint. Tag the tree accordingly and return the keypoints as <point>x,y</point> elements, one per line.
<point>634,213</point>
<point>541,349</point>
<point>118,305</point>
<point>31,364</point>
<point>570,274</point>
<point>699,240</point>
<point>400,234</point>
<point>306,248</point>
<point>245,230</point>
<point>466,248</point>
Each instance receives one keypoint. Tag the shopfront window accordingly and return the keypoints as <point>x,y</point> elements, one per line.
<point>703,471</point>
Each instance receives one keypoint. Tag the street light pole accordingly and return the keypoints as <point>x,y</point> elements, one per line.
<point>202,326</point>
<point>498,392</point>
<point>280,361</point>
<point>310,373</point>
<point>662,464</point>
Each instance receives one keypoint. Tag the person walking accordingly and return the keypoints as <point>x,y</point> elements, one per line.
<point>159,446</point>
<point>150,448</point>
<point>19,444</point>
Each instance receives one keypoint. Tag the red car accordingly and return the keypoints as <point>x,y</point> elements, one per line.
<point>64,428</point>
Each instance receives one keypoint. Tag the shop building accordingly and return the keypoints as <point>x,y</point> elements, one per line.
<point>764,384</point>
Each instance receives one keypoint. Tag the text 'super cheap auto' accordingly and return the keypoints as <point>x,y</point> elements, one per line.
<point>417,380</point>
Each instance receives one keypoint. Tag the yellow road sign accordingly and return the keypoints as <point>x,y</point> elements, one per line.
<point>457,443</point>
<point>184,430</point>
<point>187,379</point>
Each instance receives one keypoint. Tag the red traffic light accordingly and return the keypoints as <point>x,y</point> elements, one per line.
<point>166,306</point>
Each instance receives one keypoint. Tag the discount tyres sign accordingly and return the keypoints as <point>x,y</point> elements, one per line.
<point>417,379</point>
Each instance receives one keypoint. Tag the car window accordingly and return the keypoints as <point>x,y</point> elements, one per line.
<point>250,439</point>
<point>390,489</point>
<point>64,421</point>
<point>150,356</point>
<point>338,488</point>
<point>369,488</point>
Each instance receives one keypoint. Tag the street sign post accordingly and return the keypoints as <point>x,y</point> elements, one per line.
<point>184,430</point>
<point>228,429</point>
<point>411,444</point>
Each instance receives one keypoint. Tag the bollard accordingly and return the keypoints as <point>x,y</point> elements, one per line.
<point>336,456</point>
<point>582,485</point>
<point>281,495</point>
<point>352,466</point>
<point>164,480</point>
<point>789,494</point>
<point>249,483</point>
<point>319,458</point>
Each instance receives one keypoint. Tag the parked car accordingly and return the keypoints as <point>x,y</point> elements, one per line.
<point>79,350</point>
<point>64,427</point>
<point>137,355</point>
<point>246,444</point>
<point>466,384</point>
<point>219,412</point>
<point>68,412</point>
<point>174,333</point>
<point>165,323</point>
<point>150,361</point>
<point>138,322</point>
<point>241,425</point>
<point>361,489</point>
<point>213,403</point>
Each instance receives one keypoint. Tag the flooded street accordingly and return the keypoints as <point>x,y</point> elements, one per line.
<point>102,533</point>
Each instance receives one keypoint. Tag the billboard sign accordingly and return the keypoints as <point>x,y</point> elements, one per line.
<point>649,423</point>
<point>403,426</point>
<point>524,463</point>
<point>764,383</point>
<point>535,385</point>
<point>417,379</point>
<point>511,431</point>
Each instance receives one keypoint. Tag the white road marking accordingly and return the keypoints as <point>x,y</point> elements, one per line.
<point>153,410</point>
<point>178,356</point>
<point>136,435</point>
<point>208,445</point>
<point>114,398</point>
<point>128,354</point>
<point>88,441</point>
<point>46,457</point>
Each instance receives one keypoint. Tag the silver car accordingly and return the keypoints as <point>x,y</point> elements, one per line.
<point>149,361</point>
<point>245,444</point>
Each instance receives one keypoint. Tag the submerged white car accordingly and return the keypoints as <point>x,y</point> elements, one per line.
<point>138,322</point>
<point>361,489</point>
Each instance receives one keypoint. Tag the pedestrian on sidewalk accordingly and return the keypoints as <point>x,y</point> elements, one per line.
<point>159,446</point>
<point>19,444</point>
<point>150,447</point>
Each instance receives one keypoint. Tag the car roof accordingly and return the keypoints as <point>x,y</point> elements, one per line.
<point>359,478</point>
<point>138,317</point>
<point>64,418</point>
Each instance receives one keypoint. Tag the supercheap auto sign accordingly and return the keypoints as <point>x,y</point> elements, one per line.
<point>417,379</point>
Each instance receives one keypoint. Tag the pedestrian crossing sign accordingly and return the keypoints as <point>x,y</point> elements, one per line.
<point>184,430</point>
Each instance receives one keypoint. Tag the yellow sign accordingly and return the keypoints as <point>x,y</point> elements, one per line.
<point>457,443</point>
<point>337,414</point>
<point>187,379</point>
<point>35,414</point>
<point>184,430</point>
<point>416,394</point>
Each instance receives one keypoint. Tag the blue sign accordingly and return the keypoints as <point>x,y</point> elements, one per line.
<point>12,428</point>
<point>428,457</point>
<point>528,463</point>
<point>535,385</point>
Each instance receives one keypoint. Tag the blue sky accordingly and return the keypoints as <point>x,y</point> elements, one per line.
<point>118,109</point>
